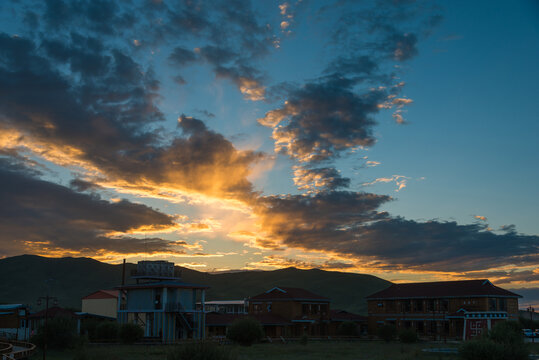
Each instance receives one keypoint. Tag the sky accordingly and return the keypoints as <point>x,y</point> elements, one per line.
<point>395,138</point>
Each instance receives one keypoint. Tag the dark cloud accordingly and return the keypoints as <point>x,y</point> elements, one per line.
<point>317,179</point>
<point>81,222</point>
<point>327,117</point>
<point>322,119</point>
<point>181,56</point>
<point>106,120</point>
<point>82,185</point>
<point>322,221</point>
<point>349,224</point>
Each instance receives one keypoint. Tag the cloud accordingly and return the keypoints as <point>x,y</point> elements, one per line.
<point>279,262</point>
<point>81,221</point>
<point>480,217</point>
<point>112,136</point>
<point>322,119</point>
<point>319,179</point>
<point>400,181</point>
<point>321,218</point>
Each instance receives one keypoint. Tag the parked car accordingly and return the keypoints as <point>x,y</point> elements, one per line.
<point>528,333</point>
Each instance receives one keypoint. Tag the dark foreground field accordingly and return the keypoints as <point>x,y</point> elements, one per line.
<point>311,351</point>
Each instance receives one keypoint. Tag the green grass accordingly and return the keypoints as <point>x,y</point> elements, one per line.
<point>311,351</point>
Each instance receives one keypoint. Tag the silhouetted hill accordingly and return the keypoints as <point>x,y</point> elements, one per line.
<point>23,280</point>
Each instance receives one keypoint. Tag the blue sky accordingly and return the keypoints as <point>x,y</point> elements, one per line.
<point>386,137</point>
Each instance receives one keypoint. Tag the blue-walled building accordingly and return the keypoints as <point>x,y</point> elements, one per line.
<point>164,305</point>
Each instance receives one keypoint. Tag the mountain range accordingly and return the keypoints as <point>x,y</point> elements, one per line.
<point>25,278</point>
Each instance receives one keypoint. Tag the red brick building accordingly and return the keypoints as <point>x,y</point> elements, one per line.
<point>447,309</point>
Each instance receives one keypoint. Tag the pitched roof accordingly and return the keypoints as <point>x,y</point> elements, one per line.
<point>220,319</point>
<point>343,315</point>
<point>287,293</point>
<point>478,288</point>
<point>53,312</point>
<point>102,294</point>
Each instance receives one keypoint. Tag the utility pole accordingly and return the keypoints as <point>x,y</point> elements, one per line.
<point>45,329</point>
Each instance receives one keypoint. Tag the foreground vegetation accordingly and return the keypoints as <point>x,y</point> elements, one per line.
<point>312,351</point>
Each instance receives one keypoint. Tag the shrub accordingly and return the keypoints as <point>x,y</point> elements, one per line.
<point>201,351</point>
<point>408,336</point>
<point>347,328</point>
<point>245,331</point>
<point>61,333</point>
<point>387,332</point>
<point>107,330</point>
<point>131,333</point>
<point>88,327</point>
<point>503,342</point>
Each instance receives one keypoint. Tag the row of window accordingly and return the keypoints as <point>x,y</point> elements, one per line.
<point>494,304</point>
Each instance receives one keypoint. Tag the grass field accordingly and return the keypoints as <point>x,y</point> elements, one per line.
<point>311,351</point>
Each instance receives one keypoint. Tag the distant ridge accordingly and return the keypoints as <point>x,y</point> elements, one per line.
<point>23,279</point>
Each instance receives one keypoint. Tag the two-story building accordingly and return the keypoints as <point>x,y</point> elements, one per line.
<point>307,313</point>
<point>162,303</point>
<point>446,309</point>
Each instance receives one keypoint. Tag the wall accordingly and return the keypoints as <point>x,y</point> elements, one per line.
<point>104,307</point>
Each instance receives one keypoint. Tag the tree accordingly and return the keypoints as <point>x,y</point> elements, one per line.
<point>387,332</point>
<point>245,331</point>
<point>347,328</point>
<point>503,342</point>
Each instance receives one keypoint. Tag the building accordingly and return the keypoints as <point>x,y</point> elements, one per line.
<point>226,306</point>
<point>307,313</point>
<point>14,321</point>
<point>338,317</point>
<point>162,303</point>
<point>101,302</point>
<point>447,309</point>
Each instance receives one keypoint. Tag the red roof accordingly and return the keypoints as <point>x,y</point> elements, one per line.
<point>474,288</point>
<point>53,312</point>
<point>218,319</point>
<point>102,294</point>
<point>286,293</point>
<point>343,315</point>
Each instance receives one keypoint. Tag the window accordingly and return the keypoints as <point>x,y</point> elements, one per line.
<point>418,305</point>
<point>324,309</point>
<point>491,304</point>
<point>269,307</point>
<point>431,305</point>
<point>503,304</point>
<point>444,305</point>
<point>406,306</point>
<point>305,309</point>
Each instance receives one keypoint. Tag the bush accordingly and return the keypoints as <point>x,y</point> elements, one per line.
<point>408,336</point>
<point>131,333</point>
<point>201,351</point>
<point>503,342</point>
<point>61,333</point>
<point>387,332</point>
<point>245,331</point>
<point>107,330</point>
<point>88,327</point>
<point>347,328</point>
